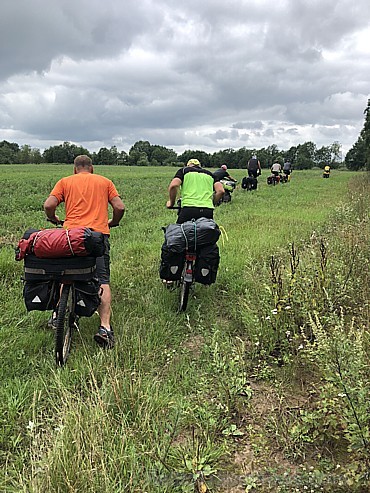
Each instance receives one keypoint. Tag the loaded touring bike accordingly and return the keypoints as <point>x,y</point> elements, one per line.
<point>186,280</point>
<point>66,285</point>
<point>189,254</point>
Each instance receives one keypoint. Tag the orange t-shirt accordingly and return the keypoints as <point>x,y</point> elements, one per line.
<point>86,198</point>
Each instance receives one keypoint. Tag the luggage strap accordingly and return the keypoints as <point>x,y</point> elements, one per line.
<point>195,236</point>
<point>69,243</point>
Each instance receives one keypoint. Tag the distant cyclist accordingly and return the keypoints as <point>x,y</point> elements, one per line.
<point>200,192</point>
<point>254,167</point>
<point>276,168</point>
<point>287,168</point>
<point>222,174</point>
<point>326,172</point>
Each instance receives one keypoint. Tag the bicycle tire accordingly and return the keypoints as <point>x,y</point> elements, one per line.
<point>64,325</point>
<point>184,295</point>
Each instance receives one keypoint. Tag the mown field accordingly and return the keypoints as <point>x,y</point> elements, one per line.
<point>262,385</point>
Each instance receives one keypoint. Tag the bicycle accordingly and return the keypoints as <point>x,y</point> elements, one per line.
<point>187,274</point>
<point>65,321</point>
<point>229,187</point>
<point>273,179</point>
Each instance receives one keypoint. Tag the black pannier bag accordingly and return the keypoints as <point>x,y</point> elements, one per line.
<point>171,265</point>
<point>249,183</point>
<point>206,264</point>
<point>252,185</point>
<point>191,234</point>
<point>66,268</point>
<point>40,295</point>
<point>87,297</point>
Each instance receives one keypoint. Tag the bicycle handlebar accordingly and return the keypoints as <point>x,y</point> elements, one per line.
<point>56,223</point>
<point>61,222</point>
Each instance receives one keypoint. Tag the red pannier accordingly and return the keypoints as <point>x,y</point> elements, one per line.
<point>59,242</point>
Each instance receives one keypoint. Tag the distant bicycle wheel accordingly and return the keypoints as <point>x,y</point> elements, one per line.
<point>65,321</point>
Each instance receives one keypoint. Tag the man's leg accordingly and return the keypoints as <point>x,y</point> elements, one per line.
<point>104,337</point>
<point>104,307</point>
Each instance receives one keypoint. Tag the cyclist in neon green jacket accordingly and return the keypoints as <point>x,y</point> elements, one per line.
<point>200,192</point>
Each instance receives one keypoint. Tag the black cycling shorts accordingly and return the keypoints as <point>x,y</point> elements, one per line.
<point>103,263</point>
<point>189,213</point>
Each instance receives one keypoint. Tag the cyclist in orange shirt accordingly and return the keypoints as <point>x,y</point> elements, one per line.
<point>86,197</point>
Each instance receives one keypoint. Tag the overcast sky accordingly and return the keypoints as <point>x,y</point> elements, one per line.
<point>196,74</point>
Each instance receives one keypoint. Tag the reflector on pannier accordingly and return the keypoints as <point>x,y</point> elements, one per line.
<point>87,297</point>
<point>171,264</point>
<point>40,295</point>
<point>206,264</point>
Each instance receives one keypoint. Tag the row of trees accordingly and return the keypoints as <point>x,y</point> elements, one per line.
<point>142,153</point>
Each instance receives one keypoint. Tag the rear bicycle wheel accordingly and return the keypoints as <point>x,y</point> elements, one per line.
<point>184,295</point>
<point>64,325</point>
<point>185,284</point>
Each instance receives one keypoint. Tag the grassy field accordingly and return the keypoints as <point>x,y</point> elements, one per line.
<point>262,385</point>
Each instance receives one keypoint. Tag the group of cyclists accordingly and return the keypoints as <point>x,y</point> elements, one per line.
<point>87,195</point>
<point>254,170</point>
<point>276,168</point>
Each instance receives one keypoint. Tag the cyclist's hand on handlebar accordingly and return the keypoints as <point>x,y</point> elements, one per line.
<point>111,224</point>
<point>169,205</point>
<point>55,220</point>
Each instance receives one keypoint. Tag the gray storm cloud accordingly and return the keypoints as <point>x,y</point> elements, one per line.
<point>215,74</point>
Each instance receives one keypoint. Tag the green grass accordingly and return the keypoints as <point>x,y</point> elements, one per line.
<point>156,413</point>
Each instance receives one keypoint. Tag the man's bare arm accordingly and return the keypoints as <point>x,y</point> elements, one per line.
<point>172,191</point>
<point>219,192</point>
<point>50,206</point>
<point>118,211</point>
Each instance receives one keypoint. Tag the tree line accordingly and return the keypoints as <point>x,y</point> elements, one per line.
<point>143,153</point>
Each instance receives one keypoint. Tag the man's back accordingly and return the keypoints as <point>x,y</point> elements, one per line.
<point>197,188</point>
<point>86,198</point>
<point>253,164</point>
<point>220,174</point>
